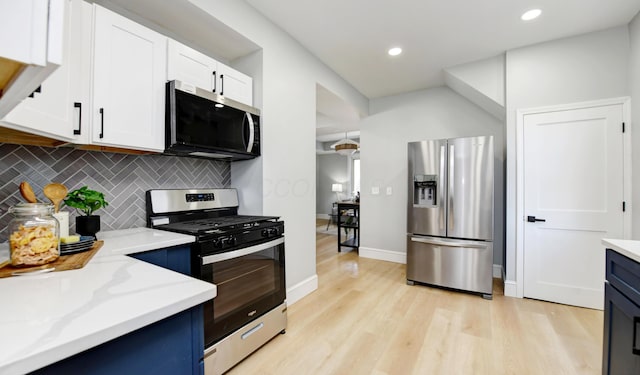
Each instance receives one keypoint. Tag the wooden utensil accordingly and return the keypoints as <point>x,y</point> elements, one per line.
<point>27,192</point>
<point>56,193</point>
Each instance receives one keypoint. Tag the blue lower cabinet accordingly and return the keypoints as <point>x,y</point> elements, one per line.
<point>174,345</point>
<point>621,346</point>
<point>164,347</point>
<point>177,258</point>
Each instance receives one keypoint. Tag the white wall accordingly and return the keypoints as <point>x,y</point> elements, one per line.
<point>394,121</point>
<point>582,68</point>
<point>289,78</point>
<point>486,76</point>
<point>249,172</point>
<point>634,88</point>
<point>331,169</point>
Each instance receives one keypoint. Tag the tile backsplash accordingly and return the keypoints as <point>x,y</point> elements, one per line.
<point>122,178</point>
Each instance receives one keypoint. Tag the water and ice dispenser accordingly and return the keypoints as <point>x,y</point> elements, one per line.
<point>425,188</point>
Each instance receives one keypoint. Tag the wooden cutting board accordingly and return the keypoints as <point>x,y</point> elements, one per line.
<point>63,263</point>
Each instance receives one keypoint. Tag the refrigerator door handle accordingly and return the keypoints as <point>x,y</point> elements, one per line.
<point>451,197</point>
<point>436,242</point>
<point>442,193</point>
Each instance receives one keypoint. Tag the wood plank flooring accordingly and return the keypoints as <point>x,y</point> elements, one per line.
<point>364,319</point>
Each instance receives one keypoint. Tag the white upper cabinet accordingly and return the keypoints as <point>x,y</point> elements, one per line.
<point>188,65</point>
<point>129,71</point>
<point>54,111</point>
<point>31,47</point>
<point>235,85</point>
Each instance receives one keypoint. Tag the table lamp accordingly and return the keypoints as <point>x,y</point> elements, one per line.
<point>337,188</point>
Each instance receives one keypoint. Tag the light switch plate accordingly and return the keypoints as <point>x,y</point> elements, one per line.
<point>375,190</point>
<point>389,190</point>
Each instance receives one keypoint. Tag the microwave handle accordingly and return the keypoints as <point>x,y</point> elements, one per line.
<point>252,131</point>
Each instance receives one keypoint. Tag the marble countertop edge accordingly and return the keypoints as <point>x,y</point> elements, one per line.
<point>628,248</point>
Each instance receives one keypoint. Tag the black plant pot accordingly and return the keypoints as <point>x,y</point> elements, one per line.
<point>88,225</point>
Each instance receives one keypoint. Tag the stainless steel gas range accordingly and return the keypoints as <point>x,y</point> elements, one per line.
<point>242,255</point>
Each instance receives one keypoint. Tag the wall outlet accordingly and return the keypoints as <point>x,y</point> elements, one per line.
<point>389,190</point>
<point>375,190</point>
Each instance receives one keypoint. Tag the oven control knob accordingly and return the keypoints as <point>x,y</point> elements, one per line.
<point>265,233</point>
<point>231,241</point>
<point>217,243</point>
<point>274,232</point>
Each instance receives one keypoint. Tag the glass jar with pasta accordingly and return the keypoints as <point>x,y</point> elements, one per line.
<point>34,234</point>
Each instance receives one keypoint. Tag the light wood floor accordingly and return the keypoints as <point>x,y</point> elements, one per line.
<point>364,319</point>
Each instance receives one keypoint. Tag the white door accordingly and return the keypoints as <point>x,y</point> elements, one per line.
<point>573,180</point>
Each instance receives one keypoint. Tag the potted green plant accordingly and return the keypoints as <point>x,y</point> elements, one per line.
<point>86,202</point>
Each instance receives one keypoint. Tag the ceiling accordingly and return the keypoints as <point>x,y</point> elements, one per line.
<point>352,37</point>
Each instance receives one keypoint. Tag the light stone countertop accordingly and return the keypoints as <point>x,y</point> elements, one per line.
<point>48,317</point>
<point>628,248</point>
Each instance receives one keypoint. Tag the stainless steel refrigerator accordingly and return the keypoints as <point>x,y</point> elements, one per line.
<point>450,214</point>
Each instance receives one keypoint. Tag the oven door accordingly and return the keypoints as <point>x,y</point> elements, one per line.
<point>250,282</point>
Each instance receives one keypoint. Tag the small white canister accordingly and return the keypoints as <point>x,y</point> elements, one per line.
<point>63,219</point>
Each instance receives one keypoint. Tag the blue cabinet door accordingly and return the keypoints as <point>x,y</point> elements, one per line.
<point>621,334</point>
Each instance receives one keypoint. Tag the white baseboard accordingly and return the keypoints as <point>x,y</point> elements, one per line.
<point>497,272</point>
<point>380,254</point>
<point>301,289</point>
<point>510,288</point>
<point>322,216</point>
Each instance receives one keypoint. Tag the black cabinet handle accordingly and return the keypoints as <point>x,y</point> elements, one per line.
<point>79,130</point>
<point>215,81</point>
<point>101,123</point>
<point>221,84</point>
<point>634,348</point>
<point>532,219</point>
<point>37,90</point>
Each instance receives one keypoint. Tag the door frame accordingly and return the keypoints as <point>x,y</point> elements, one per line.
<point>520,214</point>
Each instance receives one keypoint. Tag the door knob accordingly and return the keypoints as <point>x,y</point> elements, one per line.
<point>532,219</point>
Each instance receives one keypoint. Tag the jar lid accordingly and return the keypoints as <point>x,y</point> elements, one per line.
<point>31,208</point>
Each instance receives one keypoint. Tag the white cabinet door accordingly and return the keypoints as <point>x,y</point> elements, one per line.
<point>235,85</point>
<point>31,47</point>
<point>190,66</point>
<point>128,76</point>
<point>55,110</point>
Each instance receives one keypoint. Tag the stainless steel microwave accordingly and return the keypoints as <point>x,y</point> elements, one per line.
<point>203,124</point>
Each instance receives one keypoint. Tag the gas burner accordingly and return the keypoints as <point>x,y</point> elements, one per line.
<point>218,225</point>
<point>215,223</point>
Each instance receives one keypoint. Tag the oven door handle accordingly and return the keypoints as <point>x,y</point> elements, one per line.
<point>215,258</point>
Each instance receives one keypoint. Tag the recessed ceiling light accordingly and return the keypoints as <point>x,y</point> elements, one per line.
<point>395,51</point>
<point>531,14</point>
